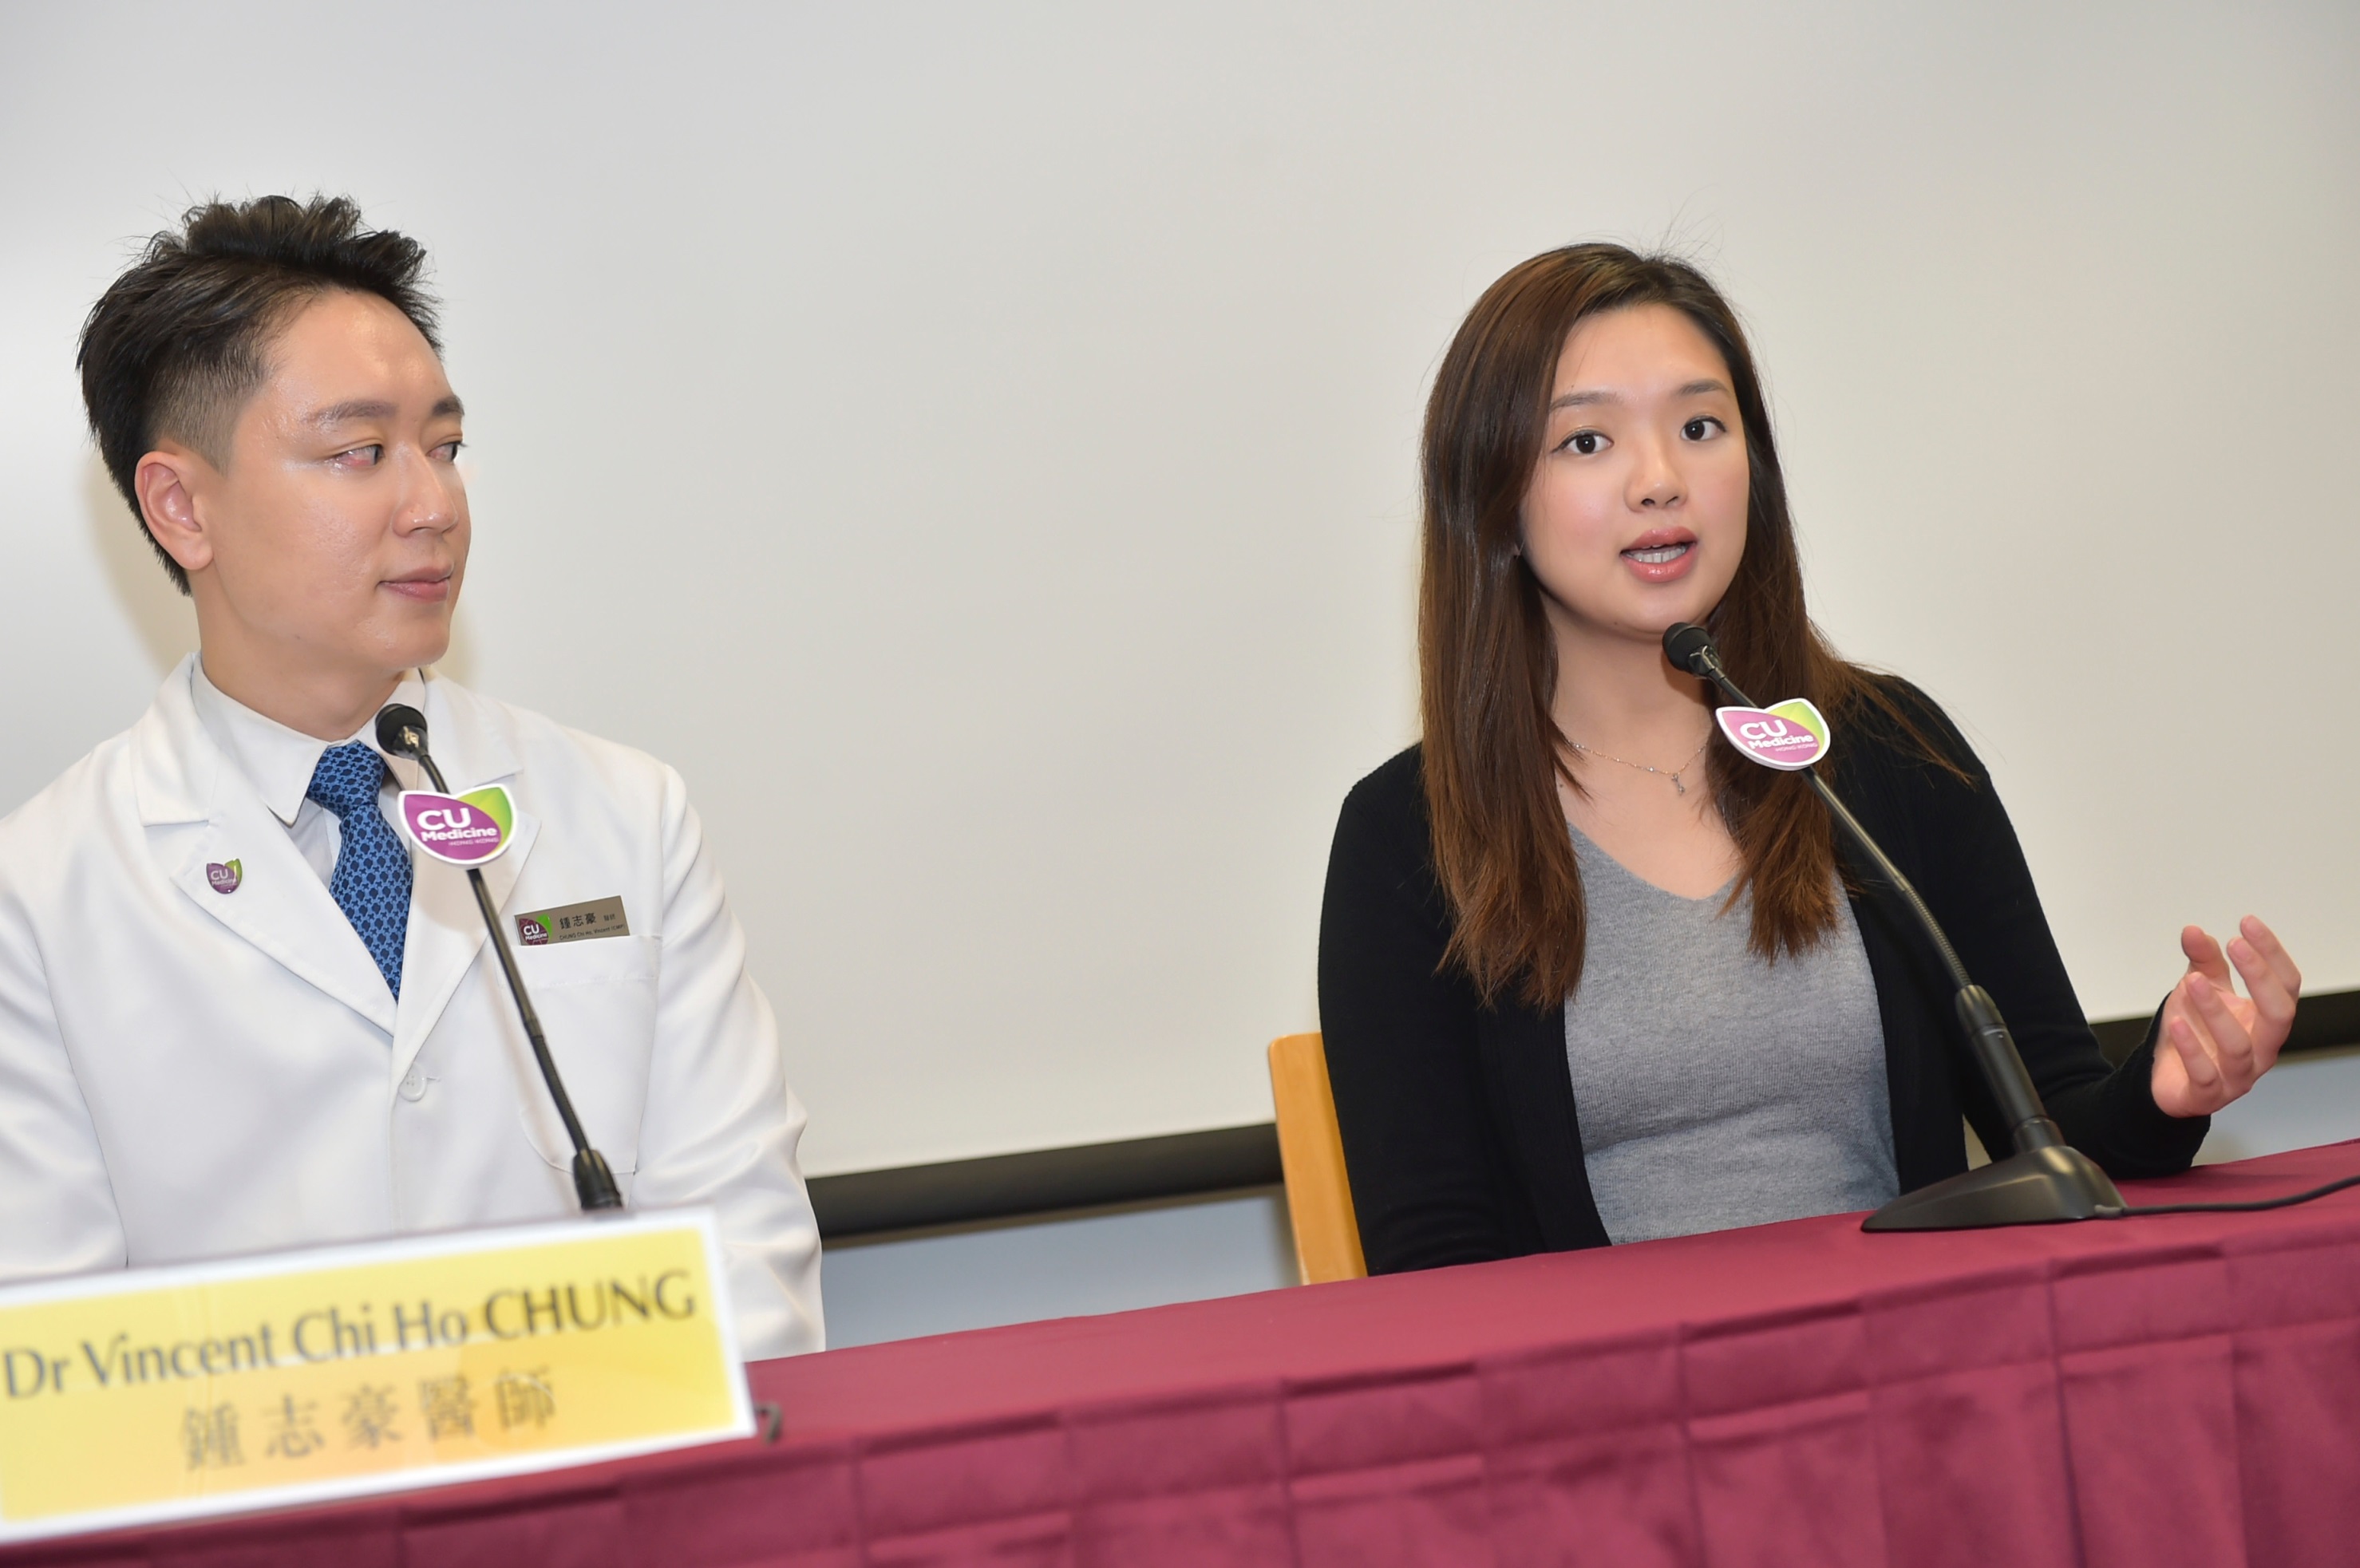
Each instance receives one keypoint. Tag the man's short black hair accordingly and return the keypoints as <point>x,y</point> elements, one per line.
<point>177,344</point>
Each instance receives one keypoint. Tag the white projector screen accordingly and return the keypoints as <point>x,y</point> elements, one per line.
<point>976,443</point>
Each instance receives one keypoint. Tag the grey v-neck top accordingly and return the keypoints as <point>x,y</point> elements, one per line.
<point>1715,1089</point>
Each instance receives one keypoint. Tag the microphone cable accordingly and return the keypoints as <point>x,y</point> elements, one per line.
<point>2254,1206</point>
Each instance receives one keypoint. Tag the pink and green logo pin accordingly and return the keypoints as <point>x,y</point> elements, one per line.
<point>465,830</point>
<point>1785,736</point>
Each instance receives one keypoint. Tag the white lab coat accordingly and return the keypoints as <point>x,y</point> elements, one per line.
<point>186,1073</point>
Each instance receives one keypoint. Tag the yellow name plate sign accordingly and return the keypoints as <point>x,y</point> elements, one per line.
<point>211,1387</point>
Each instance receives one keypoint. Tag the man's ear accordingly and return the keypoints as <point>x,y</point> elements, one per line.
<point>167,483</point>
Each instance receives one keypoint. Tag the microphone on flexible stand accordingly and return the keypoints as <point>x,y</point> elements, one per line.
<point>401,731</point>
<point>2046,1178</point>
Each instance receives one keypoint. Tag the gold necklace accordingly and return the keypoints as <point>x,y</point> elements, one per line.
<point>1673,775</point>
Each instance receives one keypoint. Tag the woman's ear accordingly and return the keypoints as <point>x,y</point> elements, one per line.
<point>167,482</point>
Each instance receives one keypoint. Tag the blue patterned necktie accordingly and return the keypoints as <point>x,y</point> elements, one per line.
<point>371,883</point>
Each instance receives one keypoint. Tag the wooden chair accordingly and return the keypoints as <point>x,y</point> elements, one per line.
<point>1318,1198</point>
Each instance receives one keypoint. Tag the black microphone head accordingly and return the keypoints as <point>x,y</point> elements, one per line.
<point>400,729</point>
<point>1689,647</point>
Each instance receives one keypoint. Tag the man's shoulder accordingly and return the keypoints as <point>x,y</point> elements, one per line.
<point>101,780</point>
<point>541,747</point>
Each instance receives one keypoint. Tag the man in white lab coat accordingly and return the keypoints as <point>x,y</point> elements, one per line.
<point>236,1011</point>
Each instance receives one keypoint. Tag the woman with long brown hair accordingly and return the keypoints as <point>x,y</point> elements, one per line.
<point>1587,974</point>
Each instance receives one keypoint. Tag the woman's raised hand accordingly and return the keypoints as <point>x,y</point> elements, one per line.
<point>2214,1042</point>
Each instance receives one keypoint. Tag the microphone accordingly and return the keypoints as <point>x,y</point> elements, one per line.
<point>2046,1178</point>
<point>1689,647</point>
<point>401,730</point>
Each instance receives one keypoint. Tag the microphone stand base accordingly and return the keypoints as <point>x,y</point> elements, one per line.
<point>2039,1186</point>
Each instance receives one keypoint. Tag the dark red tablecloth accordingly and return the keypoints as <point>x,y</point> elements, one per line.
<point>2148,1392</point>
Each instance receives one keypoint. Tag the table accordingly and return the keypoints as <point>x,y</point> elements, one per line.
<point>2151,1391</point>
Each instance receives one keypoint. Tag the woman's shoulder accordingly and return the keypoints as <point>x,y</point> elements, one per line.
<point>1384,813</point>
<point>1397,786</point>
<point>1894,727</point>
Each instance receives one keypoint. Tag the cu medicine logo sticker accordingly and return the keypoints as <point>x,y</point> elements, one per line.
<point>1786,736</point>
<point>465,830</point>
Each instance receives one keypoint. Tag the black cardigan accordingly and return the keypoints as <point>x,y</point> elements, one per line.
<point>1460,1134</point>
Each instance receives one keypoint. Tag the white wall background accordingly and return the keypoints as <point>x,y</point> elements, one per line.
<point>975,444</point>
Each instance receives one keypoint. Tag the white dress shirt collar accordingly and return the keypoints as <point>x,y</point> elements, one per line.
<point>277,761</point>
